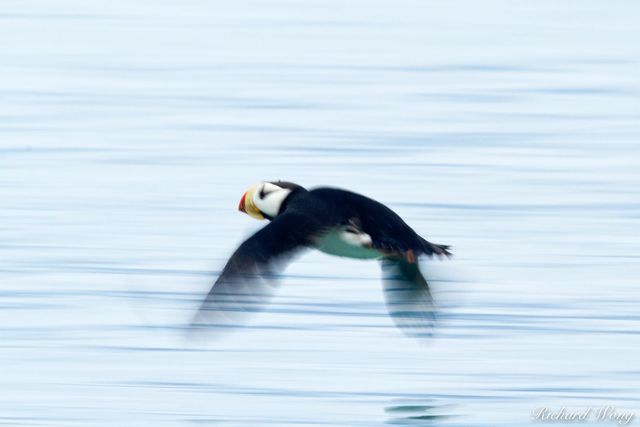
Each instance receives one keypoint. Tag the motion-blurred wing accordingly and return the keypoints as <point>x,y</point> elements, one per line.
<point>248,279</point>
<point>407,296</point>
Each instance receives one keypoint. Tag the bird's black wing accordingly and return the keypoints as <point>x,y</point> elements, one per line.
<point>248,279</point>
<point>407,297</point>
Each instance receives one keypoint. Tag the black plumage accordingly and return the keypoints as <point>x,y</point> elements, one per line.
<point>301,221</point>
<point>387,230</point>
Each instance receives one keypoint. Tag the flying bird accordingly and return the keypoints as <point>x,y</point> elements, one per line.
<point>334,221</point>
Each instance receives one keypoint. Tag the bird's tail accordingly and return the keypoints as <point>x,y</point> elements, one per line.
<point>431,249</point>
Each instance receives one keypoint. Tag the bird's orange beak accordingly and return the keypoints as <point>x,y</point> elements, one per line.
<point>241,205</point>
<point>247,206</point>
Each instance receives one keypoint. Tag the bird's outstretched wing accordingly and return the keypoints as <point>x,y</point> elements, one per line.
<point>407,297</point>
<point>248,279</point>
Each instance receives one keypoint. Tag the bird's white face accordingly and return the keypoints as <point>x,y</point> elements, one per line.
<point>264,198</point>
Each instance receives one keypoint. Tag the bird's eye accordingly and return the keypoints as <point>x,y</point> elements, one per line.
<point>263,192</point>
<point>351,230</point>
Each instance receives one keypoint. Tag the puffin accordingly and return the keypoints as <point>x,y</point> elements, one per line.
<point>334,221</point>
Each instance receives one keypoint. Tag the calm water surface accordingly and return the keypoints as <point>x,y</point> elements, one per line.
<point>129,130</point>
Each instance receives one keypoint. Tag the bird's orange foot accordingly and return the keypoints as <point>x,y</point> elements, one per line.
<point>411,257</point>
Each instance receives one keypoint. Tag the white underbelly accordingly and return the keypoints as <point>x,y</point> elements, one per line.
<point>341,243</point>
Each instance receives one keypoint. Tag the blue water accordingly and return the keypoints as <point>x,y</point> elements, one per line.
<point>129,131</point>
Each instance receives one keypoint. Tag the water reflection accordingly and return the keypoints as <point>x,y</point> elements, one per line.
<point>412,412</point>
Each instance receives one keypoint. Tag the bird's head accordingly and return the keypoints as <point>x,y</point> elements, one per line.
<point>264,200</point>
